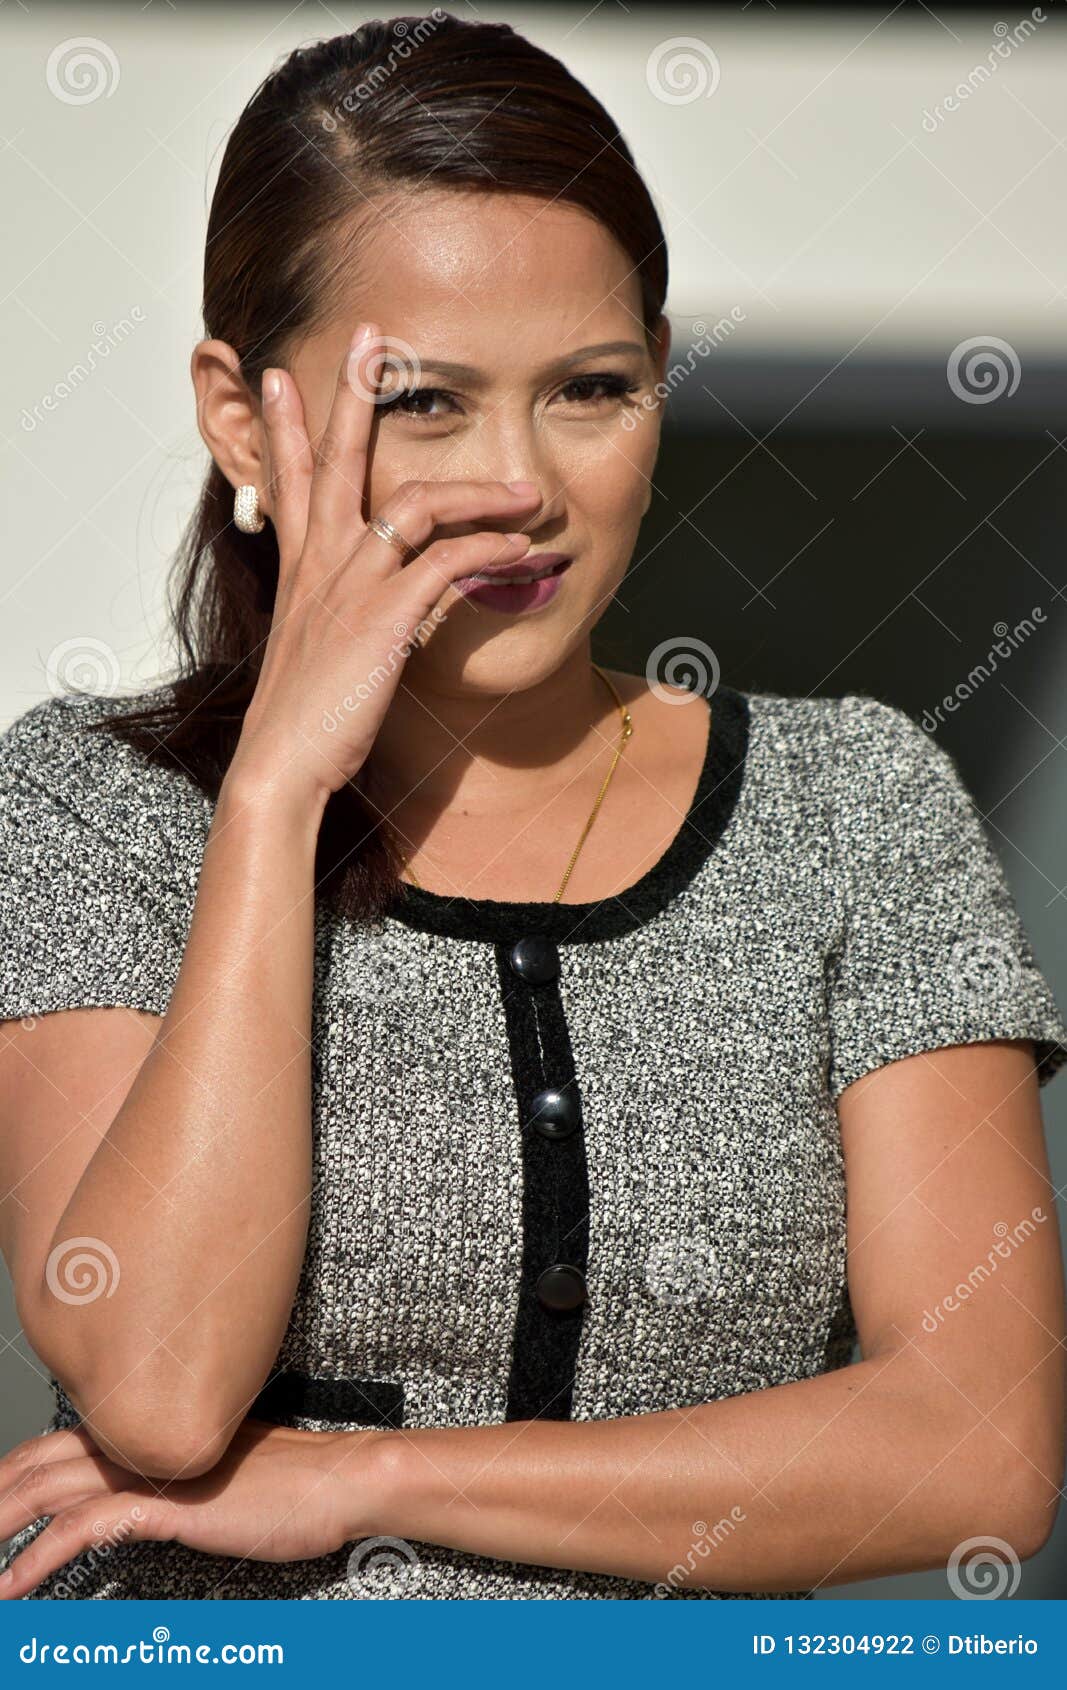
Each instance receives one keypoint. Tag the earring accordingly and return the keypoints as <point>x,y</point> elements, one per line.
<point>246,512</point>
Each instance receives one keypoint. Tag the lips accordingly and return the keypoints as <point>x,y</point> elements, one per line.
<point>536,564</point>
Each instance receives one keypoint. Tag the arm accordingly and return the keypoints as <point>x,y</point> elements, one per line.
<point>882,1467</point>
<point>191,1182</point>
<point>951,1426</point>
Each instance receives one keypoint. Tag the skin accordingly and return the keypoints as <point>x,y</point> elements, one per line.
<point>485,747</point>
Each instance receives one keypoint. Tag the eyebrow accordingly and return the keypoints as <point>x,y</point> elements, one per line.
<point>468,372</point>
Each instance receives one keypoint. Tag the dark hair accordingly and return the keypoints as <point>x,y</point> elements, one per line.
<point>413,101</point>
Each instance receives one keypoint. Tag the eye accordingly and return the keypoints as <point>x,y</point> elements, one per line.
<point>596,390</point>
<point>420,404</point>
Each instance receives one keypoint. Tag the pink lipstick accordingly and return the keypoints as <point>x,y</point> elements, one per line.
<point>528,584</point>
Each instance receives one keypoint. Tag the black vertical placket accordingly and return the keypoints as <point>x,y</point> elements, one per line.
<point>555,1195</point>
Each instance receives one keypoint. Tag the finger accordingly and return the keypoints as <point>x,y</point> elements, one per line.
<point>47,1447</point>
<point>422,584</point>
<point>418,507</point>
<point>125,1518</point>
<point>335,512</point>
<point>56,1484</point>
<point>291,465</point>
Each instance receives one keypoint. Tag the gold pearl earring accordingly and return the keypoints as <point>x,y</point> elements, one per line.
<point>246,512</point>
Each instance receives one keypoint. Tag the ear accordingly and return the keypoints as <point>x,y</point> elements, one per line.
<point>228,414</point>
<point>661,348</point>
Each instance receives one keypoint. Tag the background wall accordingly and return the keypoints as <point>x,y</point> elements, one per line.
<point>862,481</point>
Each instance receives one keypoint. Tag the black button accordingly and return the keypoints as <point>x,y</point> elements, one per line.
<point>554,1113</point>
<point>561,1287</point>
<point>535,960</point>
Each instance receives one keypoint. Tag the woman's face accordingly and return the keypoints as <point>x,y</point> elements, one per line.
<point>521,324</point>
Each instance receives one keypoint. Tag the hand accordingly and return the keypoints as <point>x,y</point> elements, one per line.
<point>348,603</point>
<point>276,1495</point>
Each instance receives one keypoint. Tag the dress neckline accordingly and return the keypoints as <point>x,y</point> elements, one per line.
<point>714,801</point>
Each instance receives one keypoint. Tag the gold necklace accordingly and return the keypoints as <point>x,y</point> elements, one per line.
<point>627,730</point>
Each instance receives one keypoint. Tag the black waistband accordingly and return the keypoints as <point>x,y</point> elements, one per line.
<point>362,1402</point>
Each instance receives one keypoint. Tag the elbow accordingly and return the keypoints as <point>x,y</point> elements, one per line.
<point>145,1419</point>
<point>1030,1512</point>
<point>1019,1490</point>
<point>156,1446</point>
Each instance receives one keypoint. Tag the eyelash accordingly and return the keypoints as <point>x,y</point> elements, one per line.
<point>615,387</point>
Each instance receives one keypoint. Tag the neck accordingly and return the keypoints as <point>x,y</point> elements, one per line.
<point>440,746</point>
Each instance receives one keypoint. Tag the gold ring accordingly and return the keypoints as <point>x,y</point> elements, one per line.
<point>386,531</point>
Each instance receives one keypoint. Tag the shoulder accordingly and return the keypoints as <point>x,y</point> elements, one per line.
<point>60,756</point>
<point>851,741</point>
<point>44,736</point>
<point>863,777</point>
<point>64,747</point>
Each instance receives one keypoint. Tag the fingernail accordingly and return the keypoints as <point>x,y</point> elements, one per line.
<point>360,338</point>
<point>523,486</point>
<point>272,385</point>
<point>525,537</point>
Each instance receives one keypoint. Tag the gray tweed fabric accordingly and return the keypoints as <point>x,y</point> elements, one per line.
<point>830,904</point>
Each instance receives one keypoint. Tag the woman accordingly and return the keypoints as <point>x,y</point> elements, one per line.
<point>527,1089</point>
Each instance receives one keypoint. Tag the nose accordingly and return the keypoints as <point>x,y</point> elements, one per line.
<point>528,458</point>
<point>552,489</point>
<point>509,446</point>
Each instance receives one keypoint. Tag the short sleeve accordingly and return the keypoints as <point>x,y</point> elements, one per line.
<point>81,924</point>
<point>932,951</point>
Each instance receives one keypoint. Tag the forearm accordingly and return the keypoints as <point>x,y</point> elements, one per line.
<point>199,1189</point>
<point>858,1473</point>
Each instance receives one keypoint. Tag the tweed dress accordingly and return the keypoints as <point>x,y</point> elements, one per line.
<point>574,1161</point>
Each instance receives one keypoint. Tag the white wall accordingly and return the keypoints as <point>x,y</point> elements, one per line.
<point>798,185</point>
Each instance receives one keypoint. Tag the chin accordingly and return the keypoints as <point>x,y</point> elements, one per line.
<point>512,660</point>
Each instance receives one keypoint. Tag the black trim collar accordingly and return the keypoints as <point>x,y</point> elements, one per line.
<point>714,801</point>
